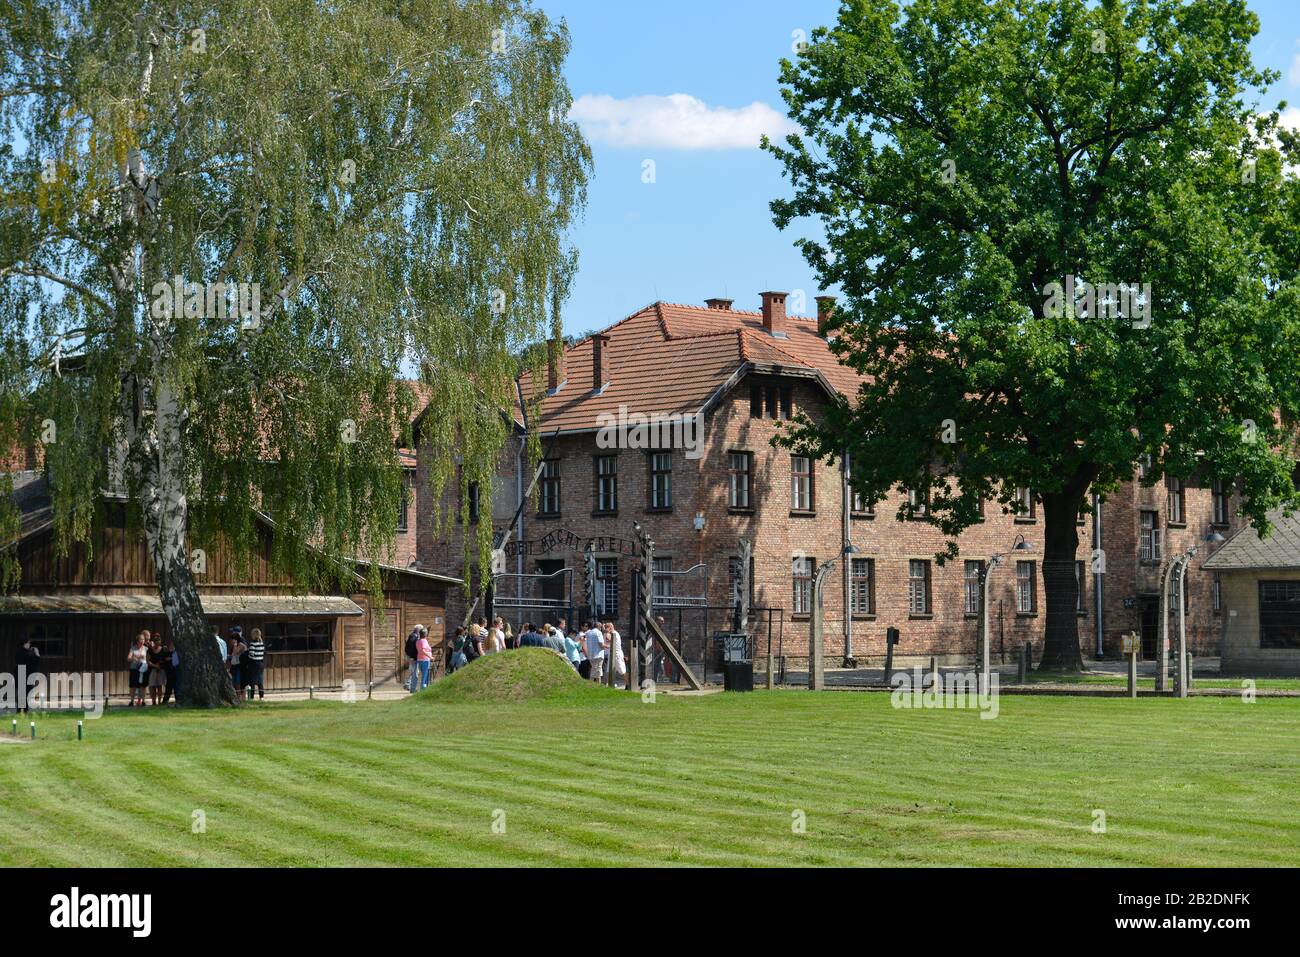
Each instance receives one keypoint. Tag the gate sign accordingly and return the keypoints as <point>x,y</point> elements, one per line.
<point>1130,643</point>
<point>498,561</point>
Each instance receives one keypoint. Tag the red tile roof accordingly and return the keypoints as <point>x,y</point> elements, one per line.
<point>672,358</point>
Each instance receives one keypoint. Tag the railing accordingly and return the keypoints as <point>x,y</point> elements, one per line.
<point>519,596</point>
<point>669,597</point>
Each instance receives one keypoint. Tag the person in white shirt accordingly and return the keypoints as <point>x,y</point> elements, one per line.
<point>595,642</point>
<point>616,659</point>
<point>495,638</point>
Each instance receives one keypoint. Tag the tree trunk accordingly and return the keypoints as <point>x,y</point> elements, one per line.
<point>1061,589</point>
<point>203,679</point>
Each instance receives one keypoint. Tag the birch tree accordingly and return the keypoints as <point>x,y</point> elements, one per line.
<point>229,228</point>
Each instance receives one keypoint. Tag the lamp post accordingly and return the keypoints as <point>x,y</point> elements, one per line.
<point>816,655</point>
<point>1020,545</point>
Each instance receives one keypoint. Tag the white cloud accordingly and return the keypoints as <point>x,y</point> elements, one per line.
<point>678,121</point>
<point>1295,66</point>
<point>1289,119</point>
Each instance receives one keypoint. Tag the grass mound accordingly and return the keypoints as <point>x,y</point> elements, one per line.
<point>525,674</point>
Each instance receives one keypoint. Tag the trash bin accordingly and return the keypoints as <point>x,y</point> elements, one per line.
<point>738,676</point>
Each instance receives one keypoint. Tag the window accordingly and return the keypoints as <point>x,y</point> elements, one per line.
<point>297,636</point>
<point>862,586</point>
<point>1149,542</point>
<point>661,584</point>
<point>801,483</point>
<point>1081,583</point>
<point>661,480</point>
<point>1216,594</point>
<point>1023,507</point>
<point>1219,502</point>
<point>606,484</point>
<point>51,640</point>
<point>858,505</point>
<point>801,570</point>
<point>918,587</point>
<point>972,587</point>
<point>918,502</point>
<point>777,402</point>
<point>1025,597</point>
<point>740,470</point>
<point>408,492</point>
<point>1279,614</point>
<point>471,495</point>
<point>1177,500</point>
<point>1177,584</point>
<point>1144,467</point>
<point>607,587</point>
<point>548,501</point>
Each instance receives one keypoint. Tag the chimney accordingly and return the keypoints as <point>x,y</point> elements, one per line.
<point>825,306</point>
<point>599,361</point>
<point>719,303</point>
<point>555,365</point>
<point>774,313</point>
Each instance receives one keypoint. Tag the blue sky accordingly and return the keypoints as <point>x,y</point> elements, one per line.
<point>703,227</point>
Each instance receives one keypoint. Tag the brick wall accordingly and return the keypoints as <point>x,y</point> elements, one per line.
<point>700,486</point>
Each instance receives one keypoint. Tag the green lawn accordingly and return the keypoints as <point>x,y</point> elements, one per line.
<point>589,776</point>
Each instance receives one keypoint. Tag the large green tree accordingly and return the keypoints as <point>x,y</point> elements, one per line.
<point>388,184</point>
<point>962,156</point>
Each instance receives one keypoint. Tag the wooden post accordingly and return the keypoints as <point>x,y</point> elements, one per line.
<point>1022,669</point>
<point>1189,671</point>
<point>934,671</point>
<point>771,678</point>
<point>634,667</point>
<point>889,656</point>
<point>1132,674</point>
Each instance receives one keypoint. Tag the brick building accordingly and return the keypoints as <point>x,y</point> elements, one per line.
<point>739,375</point>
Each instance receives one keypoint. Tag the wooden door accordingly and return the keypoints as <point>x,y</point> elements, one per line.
<point>385,648</point>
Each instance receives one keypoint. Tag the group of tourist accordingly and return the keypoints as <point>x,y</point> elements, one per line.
<point>587,648</point>
<point>245,659</point>
<point>152,664</point>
